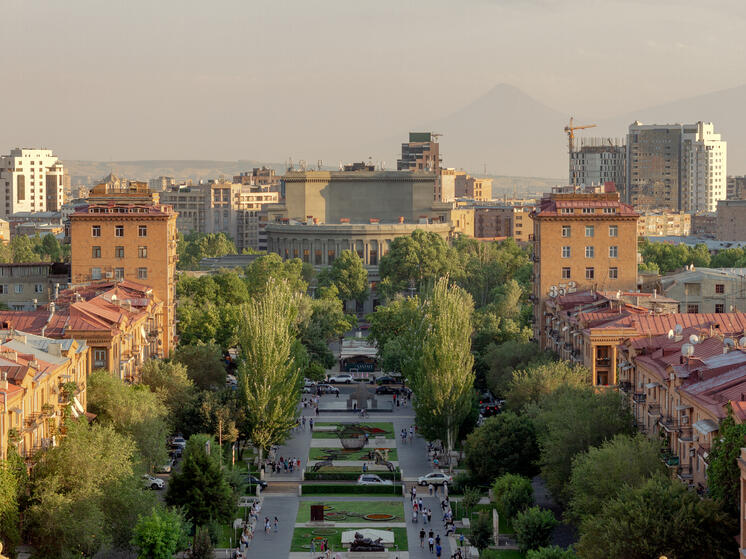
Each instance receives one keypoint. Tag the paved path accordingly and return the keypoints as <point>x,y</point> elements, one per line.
<point>275,545</point>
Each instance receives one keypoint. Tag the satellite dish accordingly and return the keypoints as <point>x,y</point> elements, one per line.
<point>670,334</point>
<point>694,339</point>
<point>687,350</point>
<point>728,342</point>
<point>678,329</point>
<point>742,342</point>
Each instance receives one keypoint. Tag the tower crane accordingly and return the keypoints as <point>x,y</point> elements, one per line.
<point>570,129</point>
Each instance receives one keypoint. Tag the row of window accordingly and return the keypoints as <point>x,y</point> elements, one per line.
<point>142,252</point>
<point>587,210</point>
<point>590,230</point>
<point>590,252</point>
<point>142,231</point>
<point>142,273</point>
<point>590,273</point>
<point>18,288</point>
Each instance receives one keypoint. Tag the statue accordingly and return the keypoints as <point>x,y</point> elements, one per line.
<point>361,543</point>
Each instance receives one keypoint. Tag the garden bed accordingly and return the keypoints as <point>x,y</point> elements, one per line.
<point>352,511</point>
<point>302,538</point>
<point>350,489</point>
<point>344,455</point>
<point>382,429</point>
<point>347,473</point>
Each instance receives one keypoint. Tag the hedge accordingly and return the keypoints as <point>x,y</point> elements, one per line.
<point>348,476</point>
<point>323,489</point>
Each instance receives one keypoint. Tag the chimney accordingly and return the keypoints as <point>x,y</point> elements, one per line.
<point>4,381</point>
<point>52,307</point>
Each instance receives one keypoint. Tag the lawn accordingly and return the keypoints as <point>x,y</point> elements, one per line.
<point>352,511</point>
<point>386,428</point>
<point>342,455</point>
<point>302,538</point>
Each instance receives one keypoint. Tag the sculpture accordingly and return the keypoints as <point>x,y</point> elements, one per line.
<point>361,543</point>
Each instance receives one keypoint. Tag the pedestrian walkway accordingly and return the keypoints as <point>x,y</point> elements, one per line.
<point>413,529</point>
<point>275,544</point>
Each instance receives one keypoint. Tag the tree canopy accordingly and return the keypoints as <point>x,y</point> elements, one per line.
<point>664,257</point>
<point>348,275</point>
<point>195,246</point>
<point>723,472</point>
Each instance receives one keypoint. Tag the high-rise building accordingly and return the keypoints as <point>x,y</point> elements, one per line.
<point>598,161</point>
<point>675,166</point>
<point>421,153</point>
<point>736,188</point>
<point>583,239</point>
<point>124,233</point>
<point>32,180</point>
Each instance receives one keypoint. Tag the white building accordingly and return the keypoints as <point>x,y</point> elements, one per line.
<point>703,168</point>
<point>31,180</point>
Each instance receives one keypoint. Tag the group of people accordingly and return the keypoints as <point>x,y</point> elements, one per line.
<point>312,402</point>
<point>302,423</point>
<point>433,543</point>
<point>407,435</point>
<point>284,465</point>
<point>419,509</point>
<point>247,530</point>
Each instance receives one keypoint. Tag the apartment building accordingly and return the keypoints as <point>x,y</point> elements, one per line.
<point>39,378</point>
<point>123,234</point>
<point>707,290</point>
<point>704,225</point>
<point>598,161</point>
<point>730,220</point>
<point>472,188</point>
<point>421,153</point>
<point>32,180</point>
<point>26,286</point>
<point>662,223</point>
<point>261,178</point>
<point>500,222</point>
<point>583,240</point>
<point>736,187</point>
<point>161,183</point>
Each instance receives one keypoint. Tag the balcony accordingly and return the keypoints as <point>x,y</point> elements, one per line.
<point>654,409</point>
<point>603,362</point>
<point>669,458</point>
<point>686,435</point>
<point>639,397</point>
<point>685,474</point>
<point>670,424</point>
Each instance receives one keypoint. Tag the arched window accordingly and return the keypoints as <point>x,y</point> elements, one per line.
<point>21,188</point>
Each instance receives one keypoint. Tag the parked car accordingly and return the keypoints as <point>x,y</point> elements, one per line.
<point>179,442</point>
<point>175,452</point>
<point>388,379</point>
<point>152,482</point>
<point>434,478</point>
<point>327,389</point>
<point>386,389</point>
<point>342,378</point>
<point>253,480</point>
<point>373,479</point>
<point>167,467</point>
<point>308,390</point>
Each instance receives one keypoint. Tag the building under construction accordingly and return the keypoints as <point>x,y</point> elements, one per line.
<point>598,161</point>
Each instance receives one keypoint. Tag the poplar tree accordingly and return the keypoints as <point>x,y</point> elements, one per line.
<point>268,376</point>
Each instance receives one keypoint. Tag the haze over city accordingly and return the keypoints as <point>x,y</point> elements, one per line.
<point>268,80</point>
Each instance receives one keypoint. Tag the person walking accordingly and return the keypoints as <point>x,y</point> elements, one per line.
<point>430,489</point>
<point>438,550</point>
<point>437,539</point>
<point>430,544</point>
<point>429,515</point>
<point>277,525</point>
<point>422,538</point>
<point>266,525</point>
<point>310,423</point>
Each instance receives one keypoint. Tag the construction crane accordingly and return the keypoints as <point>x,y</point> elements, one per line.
<point>570,129</point>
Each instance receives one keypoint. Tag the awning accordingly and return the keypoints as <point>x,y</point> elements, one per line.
<point>651,385</point>
<point>74,412</point>
<point>705,426</point>
<point>78,405</point>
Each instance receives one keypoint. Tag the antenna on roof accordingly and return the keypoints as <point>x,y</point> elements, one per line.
<point>687,350</point>
<point>742,342</point>
<point>670,334</point>
<point>728,342</point>
<point>694,339</point>
<point>678,329</point>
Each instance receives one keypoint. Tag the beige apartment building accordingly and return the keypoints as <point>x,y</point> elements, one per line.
<point>32,180</point>
<point>731,220</point>
<point>499,222</point>
<point>26,286</point>
<point>664,224</point>
<point>707,290</point>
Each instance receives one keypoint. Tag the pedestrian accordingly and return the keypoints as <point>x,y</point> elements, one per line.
<point>313,546</point>
<point>430,489</point>
<point>414,492</point>
<point>430,534</point>
<point>424,516</point>
<point>365,467</point>
<point>420,503</point>
<point>430,544</point>
<point>317,410</point>
<point>429,515</point>
<point>438,550</point>
<point>414,516</point>
<point>310,422</point>
<point>277,525</point>
<point>437,539</point>
<point>422,538</point>
<point>266,525</point>
<point>298,463</point>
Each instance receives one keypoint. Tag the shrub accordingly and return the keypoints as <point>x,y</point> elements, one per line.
<point>512,494</point>
<point>347,476</point>
<point>324,488</point>
<point>461,482</point>
<point>481,530</point>
<point>551,552</point>
<point>533,528</point>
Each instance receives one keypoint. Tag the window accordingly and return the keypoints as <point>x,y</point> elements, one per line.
<point>589,230</point>
<point>18,288</point>
<point>119,273</point>
<point>719,308</point>
<point>119,252</point>
<point>142,230</point>
<point>39,288</point>
<point>719,288</point>
<point>373,257</point>
<point>119,231</point>
<point>613,230</point>
<point>589,210</point>
<point>566,210</point>
<point>692,308</point>
<point>566,230</point>
<point>306,256</point>
<point>95,231</point>
<point>613,273</point>
<point>99,358</point>
<point>95,252</point>
<point>565,252</point>
<point>142,273</point>
<point>330,257</point>
<point>613,251</point>
<point>589,273</point>
<point>95,273</point>
<point>317,258</point>
<point>565,273</point>
<point>609,210</point>
<point>589,252</point>
<point>142,252</point>
<point>3,289</point>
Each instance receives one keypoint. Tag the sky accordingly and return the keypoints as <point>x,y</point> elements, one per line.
<point>268,80</point>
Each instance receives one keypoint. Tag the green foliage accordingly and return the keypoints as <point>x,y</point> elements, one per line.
<point>413,261</point>
<point>666,258</point>
<point>195,246</point>
<point>348,476</point>
<point>471,498</point>
<point>161,534</point>
<point>395,328</point>
<point>201,487</point>
<point>661,517</point>
<point>551,552</point>
<point>512,494</point>
<point>723,472</point>
<point>599,474</point>
<point>532,384</point>
<point>570,420</point>
<point>533,528</point>
<point>505,443</point>
<point>132,410</point>
<point>348,275</point>
<point>500,360</point>
<point>481,530</point>
<point>9,507</point>
<point>204,364</point>
<point>329,489</point>
<point>202,547</point>
<point>169,381</point>
<point>272,266</point>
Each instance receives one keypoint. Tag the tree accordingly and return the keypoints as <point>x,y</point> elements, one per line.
<point>202,547</point>
<point>443,384</point>
<point>272,265</point>
<point>170,382</point>
<point>570,420</point>
<point>22,250</point>
<point>9,509</point>
<point>201,487</point>
<point>661,517</point>
<point>50,247</point>
<point>551,552</point>
<point>533,528</point>
<point>530,385</point>
<point>723,472</point>
<point>505,443</point>
<point>219,417</point>
<point>481,530</point>
<point>269,379</point>
<point>348,275</point>
<point>204,364</point>
<point>416,260</point>
<point>500,360</point>
<point>512,494</point>
<point>161,534</point>
<point>395,328</point>
<point>195,246</point>
<point>471,498</point>
<point>599,474</point>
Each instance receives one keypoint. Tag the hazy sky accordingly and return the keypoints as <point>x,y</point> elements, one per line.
<point>265,80</point>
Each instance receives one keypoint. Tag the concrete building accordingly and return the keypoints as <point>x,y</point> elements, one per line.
<point>161,183</point>
<point>24,287</point>
<point>473,188</point>
<point>707,290</point>
<point>124,234</point>
<point>704,225</point>
<point>500,222</point>
<point>263,178</point>
<point>662,223</point>
<point>736,188</point>
<point>447,188</point>
<point>731,220</point>
<point>4,232</point>
<point>675,166</point>
<point>30,220</point>
<point>421,153</point>
<point>598,161</point>
<point>582,240</point>
<point>32,180</point>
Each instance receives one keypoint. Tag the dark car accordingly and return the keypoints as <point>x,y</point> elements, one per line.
<point>326,389</point>
<point>385,389</point>
<point>387,379</point>
<point>488,410</point>
<point>253,480</point>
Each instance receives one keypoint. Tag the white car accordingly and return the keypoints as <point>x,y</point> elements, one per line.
<point>151,482</point>
<point>434,478</point>
<point>373,479</point>
<point>343,378</point>
<point>179,441</point>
